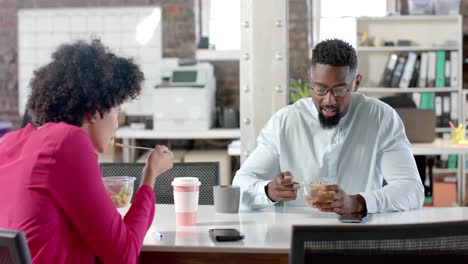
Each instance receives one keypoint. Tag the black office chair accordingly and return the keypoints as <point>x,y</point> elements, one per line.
<point>13,247</point>
<point>354,243</point>
<point>206,172</point>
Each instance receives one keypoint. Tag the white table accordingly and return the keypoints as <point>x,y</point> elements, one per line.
<point>267,232</point>
<point>439,147</point>
<point>130,135</point>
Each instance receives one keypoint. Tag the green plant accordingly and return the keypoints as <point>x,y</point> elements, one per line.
<point>298,90</point>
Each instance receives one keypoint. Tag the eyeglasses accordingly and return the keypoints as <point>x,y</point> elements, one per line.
<point>337,91</point>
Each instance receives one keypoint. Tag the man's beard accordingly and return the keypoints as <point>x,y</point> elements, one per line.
<point>329,122</point>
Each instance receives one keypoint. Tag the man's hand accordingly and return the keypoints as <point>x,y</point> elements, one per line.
<point>282,188</point>
<point>341,202</point>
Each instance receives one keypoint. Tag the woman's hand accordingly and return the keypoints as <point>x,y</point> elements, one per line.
<point>157,162</point>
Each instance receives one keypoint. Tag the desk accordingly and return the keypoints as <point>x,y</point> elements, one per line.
<point>130,135</point>
<point>445,146</point>
<point>438,147</point>
<point>267,232</point>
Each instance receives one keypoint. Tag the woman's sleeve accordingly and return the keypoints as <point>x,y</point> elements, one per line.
<point>76,185</point>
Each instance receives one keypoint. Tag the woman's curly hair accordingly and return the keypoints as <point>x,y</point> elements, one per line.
<point>81,79</point>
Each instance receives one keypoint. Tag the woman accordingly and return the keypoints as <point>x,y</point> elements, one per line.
<point>50,175</point>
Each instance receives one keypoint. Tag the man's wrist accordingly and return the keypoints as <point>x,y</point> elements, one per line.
<point>361,203</point>
<point>266,192</point>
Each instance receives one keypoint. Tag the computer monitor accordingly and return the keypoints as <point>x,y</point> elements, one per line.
<point>13,247</point>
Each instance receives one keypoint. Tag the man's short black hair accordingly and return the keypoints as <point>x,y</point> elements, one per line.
<point>334,52</point>
<point>81,79</point>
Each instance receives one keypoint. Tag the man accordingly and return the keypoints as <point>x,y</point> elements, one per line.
<point>358,141</point>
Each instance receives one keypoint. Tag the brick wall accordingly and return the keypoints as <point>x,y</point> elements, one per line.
<point>298,45</point>
<point>8,62</point>
<point>227,83</point>
<point>178,41</point>
<point>227,73</point>
<point>178,38</point>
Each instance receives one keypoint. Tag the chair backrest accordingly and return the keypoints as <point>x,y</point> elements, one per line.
<point>352,242</point>
<point>206,172</point>
<point>13,247</point>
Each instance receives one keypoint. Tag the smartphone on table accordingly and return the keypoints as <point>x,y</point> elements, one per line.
<point>226,234</point>
<point>353,218</point>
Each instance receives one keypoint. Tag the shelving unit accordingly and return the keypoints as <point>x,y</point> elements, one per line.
<point>385,90</point>
<point>425,33</point>
<point>130,135</point>
<point>464,103</point>
<point>403,48</point>
<point>226,133</point>
<point>217,55</point>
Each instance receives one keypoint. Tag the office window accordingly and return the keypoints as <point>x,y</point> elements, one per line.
<point>130,31</point>
<point>340,22</point>
<point>224,24</point>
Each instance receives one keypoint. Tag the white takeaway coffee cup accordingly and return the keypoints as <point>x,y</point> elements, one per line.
<point>186,190</point>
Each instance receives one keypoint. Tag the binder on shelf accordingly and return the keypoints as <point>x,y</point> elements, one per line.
<point>435,77</point>
<point>446,106</point>
<point>438,110</point>
<point>447,69</point>
<point>427,100</point>
<point>386,80</point>
<point>454,104</point>
<point>415,78</point>
<point>408,70</point>
<point>417,99</point>
<point>422,82</point>
<point>440,69</point>
<point>454,68</point>
<point>452,161</point>
<point>444,157</point>
<point>398,70</point>
<point>466,108</point>
<point>431,69</point>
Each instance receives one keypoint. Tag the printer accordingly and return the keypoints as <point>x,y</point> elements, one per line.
<point>185,99</point>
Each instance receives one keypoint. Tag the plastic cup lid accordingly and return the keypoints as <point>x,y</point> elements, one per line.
<point>186,181</point>
<point>119,179</point>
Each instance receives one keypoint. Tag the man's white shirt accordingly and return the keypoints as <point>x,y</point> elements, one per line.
<point>367,146</point>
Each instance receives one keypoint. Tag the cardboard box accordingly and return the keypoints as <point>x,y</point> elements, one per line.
<point>445,194</point>
<point>220,156</point>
